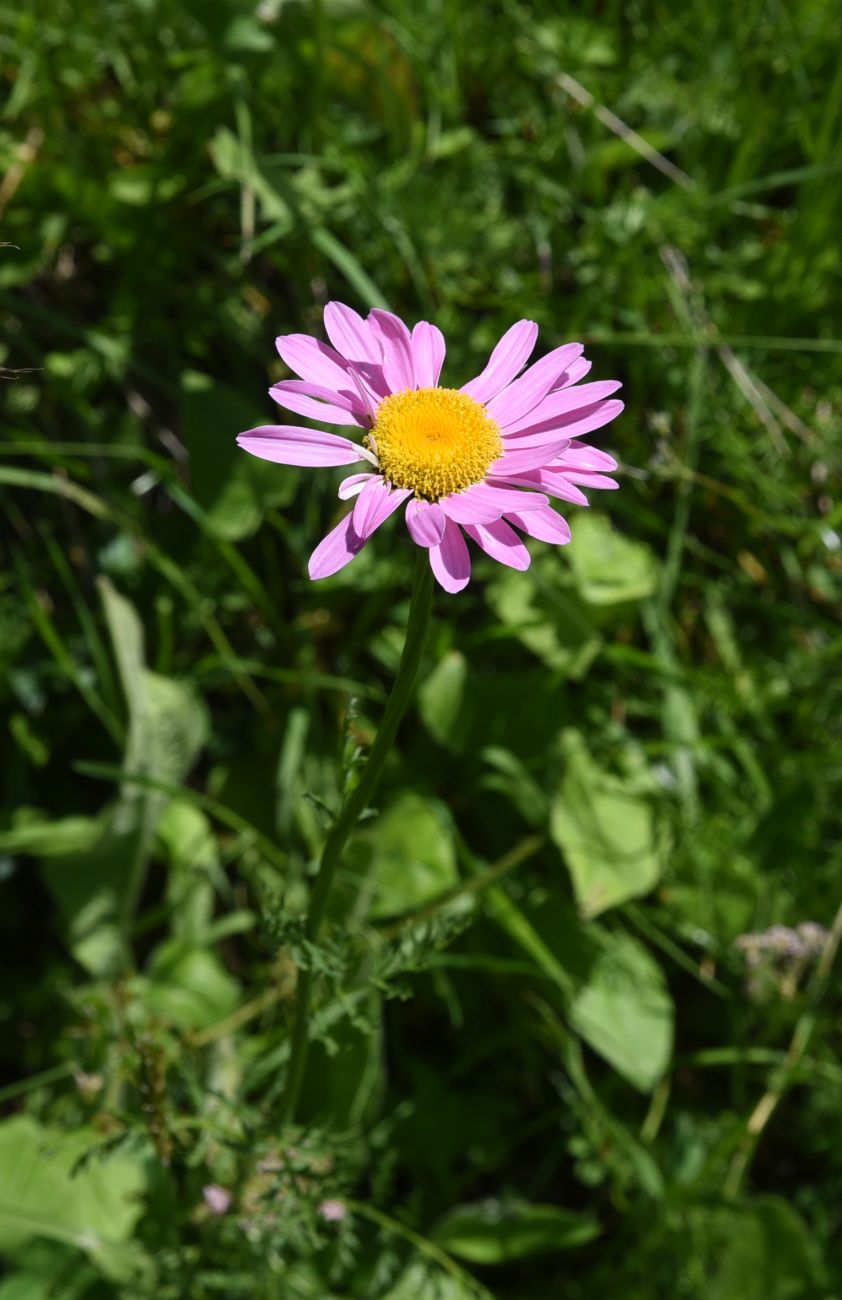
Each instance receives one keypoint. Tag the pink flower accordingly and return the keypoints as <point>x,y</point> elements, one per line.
<point>333,1211</point>
<point>218,1199</point>
<point>481,461</point>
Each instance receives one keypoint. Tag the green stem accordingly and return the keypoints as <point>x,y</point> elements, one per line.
<point>355,804</point>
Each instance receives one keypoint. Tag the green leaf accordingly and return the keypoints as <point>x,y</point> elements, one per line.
<point>760,1251</point>
<point>234,161</point>
<point>345,1078</point>
<point>408,854</point>
<point>440,699</point>
<point>606,829</point>
<point>497,1232</point>
<point>189,986</point>
<point>624,1010</point>
<point>232,488</point>
<point>612,991</point>
<point>98,887</point>
<point>48,1268</point>
<point>421,1279</point>
<point>609,569</point>
<point>34,834</point>
<point>43,1193</point>
<point>545,618</point>
<point>187,837</point>
<point>465,709</point>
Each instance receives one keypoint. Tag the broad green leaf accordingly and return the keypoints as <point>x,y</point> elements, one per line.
<point>440,699</point>
<point>756,1251</point>
<point>624,1010</point>
<point>466,707</point>
<point>611,989</point>
<point>608,568</point>
<point>188,986</point>
<point>408,853</point>
<point>98,887</point>
<point>48,1268</point>
<point>422,1280</point>
<point>544,617</point>
<point>607,831</point>
<point>497,1232</point>
<point>48,1188</point>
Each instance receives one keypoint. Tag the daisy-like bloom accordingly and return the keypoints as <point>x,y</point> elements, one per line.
<point>480,461</point>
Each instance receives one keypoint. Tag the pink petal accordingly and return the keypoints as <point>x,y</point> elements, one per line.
<point>367,394</point>
<point>350,334</point>
<point>575,372</point>
<point>552,482</point>
<point>590,480</point>
<point>544,524</point>
<point>299,396</point>
<point>578,455</point>
<point>395,342</point>
<point>314,361</point>
<point>523,458</point>
<point>336,550</point>
<point>562,402</point>
<point>450,561</point>
<point>501,542</point>
<point>375,503</point>
<point>573,425</point>
<point>428,350</point>
<point>525,393</point>
<point>353,485</point>
<point>484,502</point>
<point>426,522</point>
<point>507,360</point>
<point>287,445</point>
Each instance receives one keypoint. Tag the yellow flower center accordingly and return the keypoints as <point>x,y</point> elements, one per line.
<point>434,441</point>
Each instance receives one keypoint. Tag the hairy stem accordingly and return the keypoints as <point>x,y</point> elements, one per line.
<point>355,804</point>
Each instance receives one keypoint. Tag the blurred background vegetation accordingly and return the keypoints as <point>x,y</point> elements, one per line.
<point>578,1011</point>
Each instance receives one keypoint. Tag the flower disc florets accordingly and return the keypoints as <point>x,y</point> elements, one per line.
<point>434,441</point>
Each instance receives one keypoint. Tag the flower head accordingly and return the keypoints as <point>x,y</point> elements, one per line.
<point>218,1199</point>
<point>333,1211</point>
<point>480,461</point>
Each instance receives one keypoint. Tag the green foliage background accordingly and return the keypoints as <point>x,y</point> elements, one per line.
<point>545,1065</point>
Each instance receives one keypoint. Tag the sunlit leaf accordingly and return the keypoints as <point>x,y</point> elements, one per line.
<point>607,831</point>
<point>497,1232</point>
<point>624,1010</point>
<point>609,568</point>
<point>409,854</point>
<point>46,1191</point>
